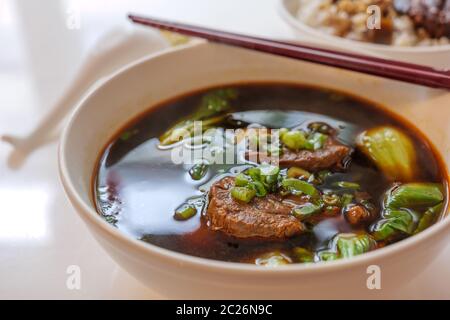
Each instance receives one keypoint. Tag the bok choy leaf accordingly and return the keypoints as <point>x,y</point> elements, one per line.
<point>350,245</point>
<point>413,195</point>
<point>391,150</point>
<point>408,209</point>
<point>211,111</point>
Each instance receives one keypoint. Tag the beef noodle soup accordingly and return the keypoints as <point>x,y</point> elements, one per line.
<point>271,174</point>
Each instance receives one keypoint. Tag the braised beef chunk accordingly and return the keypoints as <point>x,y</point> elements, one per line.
<point>333,155</point>
<point>267,217</point>
<point>432,15</point>
<point>357,215</point>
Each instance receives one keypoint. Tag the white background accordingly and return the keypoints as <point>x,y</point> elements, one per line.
<point>40,234</point>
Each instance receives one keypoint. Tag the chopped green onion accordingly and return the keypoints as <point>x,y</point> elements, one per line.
<point>185,212</point>
<point>347,185</point>
<point>262,179</point>
<point>259,188</point>
<point>269,176</point>
<point>269,170</point>
<point>198,171</point>
<point>331,199</point>
<point>243,194</point>
<point>294,139</point>
<point>270,182</point>
<point>296,172</point>
<point>254,173</point>
<point>299,186</point>
<point>306,210</point>
<point>316,141</point>
<point>303,255</point>
<point>346,199</point>
<point>241,180</point>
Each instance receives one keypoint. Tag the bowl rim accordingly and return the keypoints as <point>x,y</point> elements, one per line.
<point>90,216</point>
<point>344,43</point>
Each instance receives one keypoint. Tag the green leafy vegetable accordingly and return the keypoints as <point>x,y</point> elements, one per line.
<point>391,150</point>
<point>243,194</point>
<point>210,112</point>
<point>401,220</point>
<point>402,204</point>
<point>383,230</point>
<point>327,256</point>
<point>185,212</point>
<point>273,259</point>
<point>428,218</point>
<point>185,129</point>
<point>350,245</point>
<point>395,222</point>
<point>414,195</point>
<point>306,210</point>
<point>303,255</point>
<point>298,187</point>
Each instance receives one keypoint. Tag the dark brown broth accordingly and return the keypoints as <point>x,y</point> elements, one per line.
<point>139,188</point>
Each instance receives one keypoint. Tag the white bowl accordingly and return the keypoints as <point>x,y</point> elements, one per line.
<point>435,56</point>
<point>138,87</point>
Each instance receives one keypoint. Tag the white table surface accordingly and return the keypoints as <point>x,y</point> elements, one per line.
<point>40,234</point>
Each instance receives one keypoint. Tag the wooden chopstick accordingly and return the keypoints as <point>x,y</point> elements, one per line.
<point>402,71</point>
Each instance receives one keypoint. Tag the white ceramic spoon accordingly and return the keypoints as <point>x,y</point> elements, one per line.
<point>112,51</point>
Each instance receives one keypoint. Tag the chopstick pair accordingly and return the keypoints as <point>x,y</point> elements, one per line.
<point>396,70</point>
